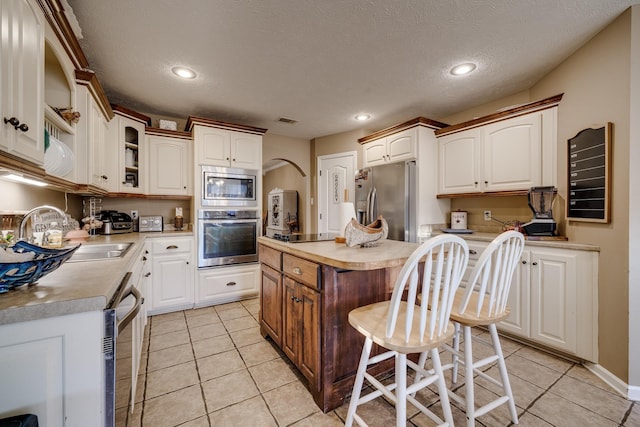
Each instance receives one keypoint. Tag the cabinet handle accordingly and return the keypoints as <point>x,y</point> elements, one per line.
<point>476,182</point>
<point>13,122</point>
<point>185,187</point>
<point>231,284</point>
<point>473,252</point>
<point>23,127</point>
<point>144,258</point>
<point>148,274</point>
<point>534,263</point>
<point>146,251</point>
<point>524,261</point>
<point>172,247</point>
<point>187,262</point>
<point>297,270</point>
<point>293,298</point>
<point>227,158</point>
<point>486,183</point>
<point>105,177</point>
<point>234,160</point>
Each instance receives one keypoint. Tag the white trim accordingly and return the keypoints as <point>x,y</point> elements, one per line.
<point>625,390</point>
<point>274,166</point>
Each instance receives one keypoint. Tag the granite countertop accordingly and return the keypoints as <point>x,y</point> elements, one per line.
<point>76,286</point>
<point>388,253</point>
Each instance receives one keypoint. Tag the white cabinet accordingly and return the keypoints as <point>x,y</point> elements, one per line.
<point>102,156</point>
<point>226,284</point>
<point>53,368</point>
<point>507,155</point>
<point>172,285</point>
<point>553,298</point>
<point>126,136</point>
<point>169,165</point>
<point>394,148</point>
<point>22,80</point>
<point>221,147</point>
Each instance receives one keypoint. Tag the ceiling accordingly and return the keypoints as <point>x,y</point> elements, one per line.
<point>321,62</point>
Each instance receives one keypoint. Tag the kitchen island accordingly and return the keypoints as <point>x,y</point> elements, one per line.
<point>306,293</point>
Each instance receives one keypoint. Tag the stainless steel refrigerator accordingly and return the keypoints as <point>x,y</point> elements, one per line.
<point>389,190</point>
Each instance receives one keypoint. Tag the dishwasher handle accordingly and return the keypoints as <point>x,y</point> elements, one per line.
<point>124,322</point>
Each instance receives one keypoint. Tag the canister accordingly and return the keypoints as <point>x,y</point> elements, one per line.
<point>459,220</point>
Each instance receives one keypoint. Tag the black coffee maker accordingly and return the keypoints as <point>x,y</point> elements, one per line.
<point>541,202</point>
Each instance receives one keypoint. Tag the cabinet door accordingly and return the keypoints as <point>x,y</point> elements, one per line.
<point>214,146</point>
<point>402,146</point>
<point>519,301</point>
<point>22,79</point>
<point>271,303</point>
<point>246,150</point>
<point>374,152</point>
<point>512,154</point>
<point>168,165</point>
<point>458,165</point>
<point>553,298</point>
<point>131,143</point>
<point>290,320</point>
<point>172,282</point>
<point>99,150</point>
<point>308,306</point>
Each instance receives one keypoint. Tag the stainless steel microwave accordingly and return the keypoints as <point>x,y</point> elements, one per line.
<point>229,187</point>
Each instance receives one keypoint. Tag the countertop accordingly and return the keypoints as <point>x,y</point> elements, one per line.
<point>388,253</point>
<point>76,286</point>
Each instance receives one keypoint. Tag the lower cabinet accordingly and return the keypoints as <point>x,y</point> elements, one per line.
<point>553,299</point>
<point>53,368</point>
<point>220,285</point>
<point>271,302</point>
<point>171,286</point>
<point>301,328</point>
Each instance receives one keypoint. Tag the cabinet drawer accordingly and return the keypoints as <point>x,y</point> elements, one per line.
<point>270,257</point>
<point>225,282</point>
<point>171,246</point>
<point>301,270</point>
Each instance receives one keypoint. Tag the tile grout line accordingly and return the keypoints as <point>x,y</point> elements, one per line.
<point>195,360</point>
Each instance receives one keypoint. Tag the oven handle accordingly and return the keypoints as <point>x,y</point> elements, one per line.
<point>134,310</point>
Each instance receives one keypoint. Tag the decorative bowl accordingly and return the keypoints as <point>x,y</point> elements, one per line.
<point>14,274</point>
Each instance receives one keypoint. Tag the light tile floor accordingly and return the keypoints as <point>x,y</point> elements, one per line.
<point>211,367</point>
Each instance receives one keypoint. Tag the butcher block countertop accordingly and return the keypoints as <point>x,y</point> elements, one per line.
<point>388,253</point>
<point>75,287</point>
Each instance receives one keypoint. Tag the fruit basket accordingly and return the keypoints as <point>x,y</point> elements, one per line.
<point>14,274</point>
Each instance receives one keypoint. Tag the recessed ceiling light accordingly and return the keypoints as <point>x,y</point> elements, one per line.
<point>362,117</point>
<point>184,72</point>
<point>462,69</point>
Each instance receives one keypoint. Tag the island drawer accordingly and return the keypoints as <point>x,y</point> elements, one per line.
<point>301,270</point>
<point>271,257</point>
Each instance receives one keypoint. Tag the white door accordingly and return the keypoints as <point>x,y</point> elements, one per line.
<point>336,172</point>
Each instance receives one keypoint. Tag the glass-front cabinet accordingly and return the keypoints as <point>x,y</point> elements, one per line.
<point>127,129</point>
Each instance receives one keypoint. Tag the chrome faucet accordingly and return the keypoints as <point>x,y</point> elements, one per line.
<point>23,222</point>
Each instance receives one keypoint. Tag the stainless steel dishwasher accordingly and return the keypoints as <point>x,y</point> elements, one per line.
<point>120,311</point>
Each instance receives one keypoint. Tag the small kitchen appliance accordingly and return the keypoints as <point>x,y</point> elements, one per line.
<point>150,223</point>
<point>541,202</point>
<point>114,222</point>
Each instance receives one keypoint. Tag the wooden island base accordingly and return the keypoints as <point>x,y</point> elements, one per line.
<point>305,299</point>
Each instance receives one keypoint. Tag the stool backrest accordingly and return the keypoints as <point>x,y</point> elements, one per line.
<point>445,259</point>
<point>493,273</point>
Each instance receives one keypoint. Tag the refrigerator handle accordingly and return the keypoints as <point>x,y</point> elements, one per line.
<point>371,203</point>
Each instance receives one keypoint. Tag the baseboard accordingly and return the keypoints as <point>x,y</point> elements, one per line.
<point>625,390</point>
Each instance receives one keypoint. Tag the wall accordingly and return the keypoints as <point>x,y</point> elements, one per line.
<point>595,81</point>
<point>166,208</point>
<point>23,197</point>
<point>297,152</point>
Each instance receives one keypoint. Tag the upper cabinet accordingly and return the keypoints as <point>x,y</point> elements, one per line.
<point>127,137</point>
<point>22,80</point>
<point>169,162</point>
<point>510,151</point>
<point>394,148</point>
<point>227,145</point>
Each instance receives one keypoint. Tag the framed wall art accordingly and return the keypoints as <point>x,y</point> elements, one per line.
<point>589,175</point>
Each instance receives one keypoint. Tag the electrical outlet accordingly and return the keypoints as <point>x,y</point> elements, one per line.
<point>487,215</point>
<point>134,215</point>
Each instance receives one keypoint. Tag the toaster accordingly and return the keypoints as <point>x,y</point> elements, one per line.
<point>150,223</point>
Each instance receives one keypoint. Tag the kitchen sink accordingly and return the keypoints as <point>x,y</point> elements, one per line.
<point>100,251</point>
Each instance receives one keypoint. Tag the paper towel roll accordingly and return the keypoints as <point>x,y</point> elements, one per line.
<point>347,211</point>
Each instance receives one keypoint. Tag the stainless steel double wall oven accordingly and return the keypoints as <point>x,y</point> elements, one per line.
<point>229,218</point>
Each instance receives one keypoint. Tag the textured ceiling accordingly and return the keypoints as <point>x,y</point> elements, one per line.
<point>321,62</point>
